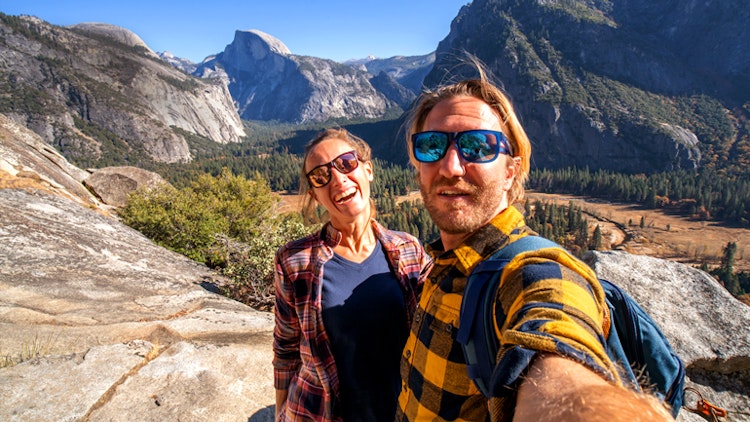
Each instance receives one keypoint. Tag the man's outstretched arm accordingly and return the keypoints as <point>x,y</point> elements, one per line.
<point>559,389</point>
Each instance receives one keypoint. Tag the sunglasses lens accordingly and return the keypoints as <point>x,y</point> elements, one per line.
<point>429,147</point>
<point>346,163</point>
<point>478,146</point>
<point>320,176</point>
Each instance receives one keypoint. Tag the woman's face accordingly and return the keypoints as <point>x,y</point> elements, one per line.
<point>346,196</point>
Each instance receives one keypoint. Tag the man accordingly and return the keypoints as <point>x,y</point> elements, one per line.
<point>472,158</point>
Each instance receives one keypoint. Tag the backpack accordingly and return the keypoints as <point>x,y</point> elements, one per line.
<point>635,342</point>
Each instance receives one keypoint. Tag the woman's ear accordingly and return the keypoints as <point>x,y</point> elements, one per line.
<point>368,170</point>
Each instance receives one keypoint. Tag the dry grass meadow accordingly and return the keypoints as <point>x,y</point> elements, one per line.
<point>663,235</point>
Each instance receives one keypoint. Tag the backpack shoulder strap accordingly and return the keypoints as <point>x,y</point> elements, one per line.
<point>476,331</point>
<point>524,244</point>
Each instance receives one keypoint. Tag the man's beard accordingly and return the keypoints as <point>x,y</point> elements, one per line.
<point>480,205</point>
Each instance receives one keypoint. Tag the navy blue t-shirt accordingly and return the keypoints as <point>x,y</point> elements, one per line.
<point>365,318</point>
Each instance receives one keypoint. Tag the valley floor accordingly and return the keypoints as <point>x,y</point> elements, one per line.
<point>663,235</point>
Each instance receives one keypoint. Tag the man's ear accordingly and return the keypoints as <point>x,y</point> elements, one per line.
<point>512,170</point>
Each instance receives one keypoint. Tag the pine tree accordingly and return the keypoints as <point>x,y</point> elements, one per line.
<point>597,241</point>
<point>725,272</point>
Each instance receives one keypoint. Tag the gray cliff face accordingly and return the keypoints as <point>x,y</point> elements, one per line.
<point>629,86</point>
<point>125,330</point>
<point>267,82</point>
<point>393,90</point>
<point>409,71</point>
<point>712,37</point>
<point>184,65</point>
<point>94,90</point>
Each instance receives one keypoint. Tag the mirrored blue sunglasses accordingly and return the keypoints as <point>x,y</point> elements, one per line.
<point>474,146</point>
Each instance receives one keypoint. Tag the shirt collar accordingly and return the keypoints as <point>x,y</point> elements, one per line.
<point>481,244</point>
<point>330,235</point>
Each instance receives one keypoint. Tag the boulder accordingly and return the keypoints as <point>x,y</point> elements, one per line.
<point>705,324</point>
<point>113,184</point>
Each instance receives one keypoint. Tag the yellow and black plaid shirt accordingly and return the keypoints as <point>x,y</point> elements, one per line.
<point>554,304</point>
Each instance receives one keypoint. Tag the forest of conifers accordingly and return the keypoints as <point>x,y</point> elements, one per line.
<point>702,194</point>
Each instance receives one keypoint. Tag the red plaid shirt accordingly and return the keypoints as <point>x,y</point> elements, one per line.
<point>303,360</point>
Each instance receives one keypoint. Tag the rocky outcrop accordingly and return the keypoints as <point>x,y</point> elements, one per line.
<point>268,82</point>
<point>109,326</point>
<point>98,322</point>
<point>112,185</point>
<point>97,90</point>
<point>704,323</point>
<point>27,161</point>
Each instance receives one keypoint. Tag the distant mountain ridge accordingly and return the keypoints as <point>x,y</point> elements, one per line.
<point>409,71</point>
<point>184,65</point>
<point>268,82</point>
<point>100,95</point>
<point>633,87</point>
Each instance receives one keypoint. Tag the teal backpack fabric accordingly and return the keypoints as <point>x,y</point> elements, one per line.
<point>635,341</point>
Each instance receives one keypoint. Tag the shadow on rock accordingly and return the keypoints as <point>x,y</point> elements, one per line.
<point>263,415</point>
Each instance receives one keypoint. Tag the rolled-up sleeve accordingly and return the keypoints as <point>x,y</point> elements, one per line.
<point>549,302</point>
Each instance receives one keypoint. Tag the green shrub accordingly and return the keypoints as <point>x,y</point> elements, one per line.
<point>250,264</point>
<point>227,222</point>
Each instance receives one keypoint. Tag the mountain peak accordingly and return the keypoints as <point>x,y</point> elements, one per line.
<point>117,33</point>
<point>261,43</point>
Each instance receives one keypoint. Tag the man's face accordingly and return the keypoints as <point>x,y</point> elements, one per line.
<point>462,196</point>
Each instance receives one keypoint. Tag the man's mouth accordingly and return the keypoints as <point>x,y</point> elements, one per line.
<point>345,195</point>
<point>452,192</point>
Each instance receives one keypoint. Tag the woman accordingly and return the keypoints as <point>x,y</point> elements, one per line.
<point>345,296</point>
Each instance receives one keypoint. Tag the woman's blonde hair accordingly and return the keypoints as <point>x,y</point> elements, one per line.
<point>309,204</point>
<point>482,89</point>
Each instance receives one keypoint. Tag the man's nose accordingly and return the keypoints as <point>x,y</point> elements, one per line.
<point>452,164</point>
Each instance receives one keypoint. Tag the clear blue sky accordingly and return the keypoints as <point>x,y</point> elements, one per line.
<point>332,29</point>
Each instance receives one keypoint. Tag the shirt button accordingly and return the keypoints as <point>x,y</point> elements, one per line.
<point>408,354</point>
